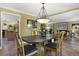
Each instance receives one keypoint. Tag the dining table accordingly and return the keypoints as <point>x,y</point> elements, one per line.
<point>38,40</point>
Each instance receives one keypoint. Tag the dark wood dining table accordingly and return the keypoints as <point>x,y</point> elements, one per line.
<point>38,40</point>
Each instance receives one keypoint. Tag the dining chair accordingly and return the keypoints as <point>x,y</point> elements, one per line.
<point>55,46</point>
<point>25,50</point>
<point>18,36</point>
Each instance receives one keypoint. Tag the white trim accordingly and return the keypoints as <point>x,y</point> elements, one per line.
<point>1,33</point>
<point>16,10</point>
<point>1,41</point>
<point>10,13</point>
<point>19,25</point>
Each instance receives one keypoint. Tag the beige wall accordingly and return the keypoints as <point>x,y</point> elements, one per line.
<point>23,21</point>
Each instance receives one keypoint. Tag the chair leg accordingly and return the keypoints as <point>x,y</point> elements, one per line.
<point>18,54</point>
<point>45,50</point>
<point>56,53</point>
<point>60,52</point>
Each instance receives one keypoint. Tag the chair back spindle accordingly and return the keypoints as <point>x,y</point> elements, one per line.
<point>20,46</point>
<point>59,43</point>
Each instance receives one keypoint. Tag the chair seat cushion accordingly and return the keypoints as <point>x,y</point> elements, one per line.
<point>51,45</point>
<point>29,49</point>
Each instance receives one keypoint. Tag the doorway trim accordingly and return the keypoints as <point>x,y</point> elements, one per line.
<point>10,13</point>
<point>0,32</point>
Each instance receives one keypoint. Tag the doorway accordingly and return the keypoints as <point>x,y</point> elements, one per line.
<point>10,24</point>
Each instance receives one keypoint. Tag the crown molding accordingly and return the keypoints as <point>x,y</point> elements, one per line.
<point>12,9</point>
<point>18,11</point>
<point>64,12</point>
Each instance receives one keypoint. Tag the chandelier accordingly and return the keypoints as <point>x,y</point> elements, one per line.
<point>42,16</point>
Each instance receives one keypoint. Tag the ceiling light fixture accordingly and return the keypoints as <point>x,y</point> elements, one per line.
<point>42,16</point>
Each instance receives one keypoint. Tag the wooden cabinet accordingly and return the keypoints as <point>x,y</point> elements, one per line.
<point>10,35</point>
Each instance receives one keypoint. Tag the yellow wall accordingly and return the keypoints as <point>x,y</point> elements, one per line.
<point>23,21</point>
<point>25,31</point>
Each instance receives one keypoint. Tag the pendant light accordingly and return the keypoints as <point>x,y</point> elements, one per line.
<point>42,16</point>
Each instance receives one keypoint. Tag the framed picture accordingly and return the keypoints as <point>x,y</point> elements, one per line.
<point>62,26</point>
<point>75,26</point>
<point>33,22</point>
<point>29,21</point>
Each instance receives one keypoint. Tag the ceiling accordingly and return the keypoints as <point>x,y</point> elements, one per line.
<point>58,12</point>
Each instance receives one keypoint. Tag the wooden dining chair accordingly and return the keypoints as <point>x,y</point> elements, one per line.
<point>25,50</point>
<point>18,36</point>
<point>55,46</point>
